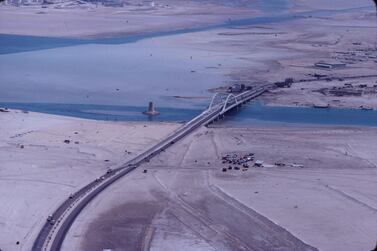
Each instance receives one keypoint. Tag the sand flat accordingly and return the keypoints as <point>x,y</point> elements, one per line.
<point>38,170</point>
<point>328,204</point>
<point>91,21</point>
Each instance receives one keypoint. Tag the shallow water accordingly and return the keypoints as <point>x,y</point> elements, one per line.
<point>107,112</point>
<point>127,71</point>
<point>125,74</point>
<point>257,113</point>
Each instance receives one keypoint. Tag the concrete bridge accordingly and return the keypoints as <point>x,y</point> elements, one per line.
<point>51,236</point>
<point>229,101</point>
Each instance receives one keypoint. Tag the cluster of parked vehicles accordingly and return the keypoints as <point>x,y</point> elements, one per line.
<point>237,161</point>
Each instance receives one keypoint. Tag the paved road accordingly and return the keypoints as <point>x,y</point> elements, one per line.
<point>52,236</point>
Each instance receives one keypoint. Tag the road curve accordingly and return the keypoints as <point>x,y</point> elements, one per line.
<point>51,236</point>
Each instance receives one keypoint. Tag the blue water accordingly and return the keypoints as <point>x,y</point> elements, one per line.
<point>255,113</point>
<point>133,74</point>
<point>107,112</point>
<point>258,113</point>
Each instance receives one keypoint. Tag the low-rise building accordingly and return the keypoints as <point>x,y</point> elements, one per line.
<point>329,65</point>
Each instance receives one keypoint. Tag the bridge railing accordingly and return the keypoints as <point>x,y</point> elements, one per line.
<point>229,100</point>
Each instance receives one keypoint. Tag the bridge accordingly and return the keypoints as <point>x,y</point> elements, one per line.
<point>52,234</point>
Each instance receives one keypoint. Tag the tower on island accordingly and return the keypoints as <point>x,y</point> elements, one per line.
<point>151,111</point>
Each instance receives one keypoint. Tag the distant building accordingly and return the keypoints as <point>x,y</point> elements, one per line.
<point>329,65</point>
<point>286,84</point>
<point>237,88</point>
<point>346,92</point>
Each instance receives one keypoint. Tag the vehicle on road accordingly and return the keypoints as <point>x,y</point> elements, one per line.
<point>49,218</point>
